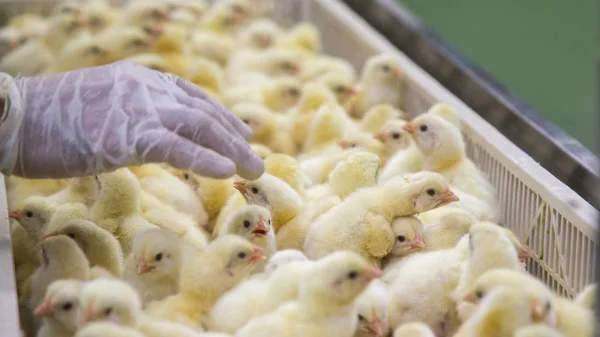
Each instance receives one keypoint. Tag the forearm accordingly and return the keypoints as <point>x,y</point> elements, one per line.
<point>11,115</point>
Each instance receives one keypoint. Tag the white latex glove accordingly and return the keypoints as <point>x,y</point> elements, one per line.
<point>95,120</point>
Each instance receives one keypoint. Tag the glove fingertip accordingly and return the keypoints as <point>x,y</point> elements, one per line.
<point>252,169</point>
<point>221,169</point>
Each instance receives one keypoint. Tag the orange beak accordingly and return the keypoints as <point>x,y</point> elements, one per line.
<point>380,136</point>
<point>15,215</point>
<point>525,253</point>
<point>241,185</point>
<point>257,255</point>
<point>143,267</point>
<point>408,127</point>
<point>87,317</point>
<point>351,91</point>
<point>344,144</point>
<point>376,327</point>
<point>51,234</point>
<point>396,72</point>
<point>261,228</point>
<point>522,265</point>
<point>44,309</point>
<point>417,243</point>
<point>537,311</point>
<point>448,196</point>
<point>296,69</point>
<point>470,298</point>
<point>373,273</point>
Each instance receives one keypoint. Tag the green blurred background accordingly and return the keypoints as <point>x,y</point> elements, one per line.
<point>542,50</point>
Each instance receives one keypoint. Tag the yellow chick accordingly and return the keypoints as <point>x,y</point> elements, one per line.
<point>372,311</point>
<point>325,304</point>
<point>364,141</point>
<point>248,67</point>
<point>154,265</point>
<point>287,169</point>
<point>361,223</point>
<point>587,297</point>
<point>415,329</point>
<point>304,36</point>
<point>283,257</point>
<point>99,246</point>
<point>377,116</point>
<point>443,150</point>
<point>448,230</point>
<point>381,82</point>
<point>408,232</point>
<point>447,112</point>
<point>328,125</point>
<point>105,329</point>
<point>223,264</point>
<point>65,213</point>
<point>60,309</point>
<point>396,139</point>
<point>114,301</point>
<point>208,75</point>
<point>340,85</point>
<point>260,34</point>
<point>79,190</point>
<point>537,330</point>
<point>281,94</point>
<point>323,65</point>
<point>261,150</point>
<point>253,223</point>
<point>18,189</point>
<point>356,172</point>
<point>82,52</point>
<point>225,17</point>
<point>123,42</point>
<point>100,15</point>
<point>117,208</point>
<point>144,13</point>
<point>216,47</point>
<point>502,313</point>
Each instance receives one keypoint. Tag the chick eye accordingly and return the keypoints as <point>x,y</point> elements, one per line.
<point>67,306</point>
<point>385,68</point>
<point>340,89</point>
<point>361,318</point>
<point>107,311</point>
<point>352,144</point>
<point>94,50</point>
<point>242,255</point>
<point>71,235</point>
<point>186,176</point>
<point>352,275</point>
<point>158,257</point>
<point>395,135</point>
<point>237,9</point>
<point>137,42</point>
<point>430,192</point>
<point>156,14</point>
<point>254,190</point>
<point>479,294</point>
<point>547,307</point>
<point>401,238</point>
<point>227,21</point>
<point>293,92</point>
<point>423,128</point>
<point>246,223</point>
<point>247,121</point>
<point>29,214</point>
<point>95,22</point>
<point>269,221</point>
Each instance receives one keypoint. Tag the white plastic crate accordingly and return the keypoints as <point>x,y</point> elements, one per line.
<point>557,224</point>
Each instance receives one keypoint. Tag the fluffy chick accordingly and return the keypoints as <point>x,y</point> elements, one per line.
<point>287,168</point>
<point>358,171</point>
<point>283,257</point>
<point>372,311</point>
<point>154,265</point>
<point>105,329</point>
<point>361,223</point>
<point>408,231</point>
<point>340,85</point>
<point>382,81</point>
<point>216,47</point>
<point>60,309</point>
<point>587,297</point>
<point>378,115</point>
<point>99,246</point>
<point>537,330</point>
<point>260,34</point>
<point>253,223</point>
<point>82,52</point>
<point>323,65</point>
<point>208,275</point>
<point>448,230</point>
<point>304,37</point>
<point>416,329</point>
<point>79,190</point>
<point>326,301</point>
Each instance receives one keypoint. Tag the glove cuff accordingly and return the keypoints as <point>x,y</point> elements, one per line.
<point>10,123</point>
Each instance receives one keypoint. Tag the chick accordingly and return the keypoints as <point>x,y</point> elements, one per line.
<point>99,246</point>
<point>208,275</point>
<point>287,168</point>
<point>107,330</point>
<point>216,47</point>
<point>394,138</point>
<point>361,223</point>
<point>283,257</point>
<point>100,15</point>
<point>416,329</point>
<point>153,267</point>
<point>447,112</point>
<point>443,150</point>
<point>340,85</point>
<point>117,208</point>
<point>381,82</point>
<point>537,330</point>
<point>265,64</point>
<point>323,65</point>
<point>144,13</point>
<point>260,34</point>
<point>314,95</point>
<point>225,17</point>
<point>18,189</point>
<point>502,313</point>
<point>587,297</point>
<point>67,212</point>
<point>364,141</point>
<point>328,125</point>
<point>378,115</point>
<point>448,230</point>
<point>372,311</point>
<point>60,309</point>
<point>79,190</point>
<point>114,301</point>
<point>281,94</point>
<point>261,150</point>
<point>325,305</point>
<point>358,171</point>
<point>304,36</point>
<point>253,223</point>
<point>152,61</point>
<point>123,42</point>
<point>408,231</point>
<point>208,75</point>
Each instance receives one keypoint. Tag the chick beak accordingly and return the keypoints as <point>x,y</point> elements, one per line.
<point>375,327</point>
<point>522,265</point>
<point>257,255</point>
<point>470,298</point>
<point>261,229</point>
<point>373,273</point>
<point>351,91</point>
<point>408,127</point>
<point>157,32</point>
<point>448,196</point>
<point>417,243</point>
<point>87,317</point>
<point>537,312</point>
<point>51,234</point>
<point>344,144</point>
<point>241,185</point>
<point>396,72</point>
<point>380,136</point>
<point>525,253</point>
<point>44,309</point>
<point>13,43</point>
<point>143,267</point>
<point>15,215</point>
<point>296,69</point>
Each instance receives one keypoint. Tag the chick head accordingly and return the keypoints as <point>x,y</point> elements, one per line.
<point>106,329</point>
<point>408,231</point>
<point>483,234</point>
<point>339,277</point>
<point>100,15</point>
<point>110,300</point>
<point>282,93</point>
<point>372,308</point>
<point>63,27</point>
<point>158,252</point>
<point>393,136</point>
<point>206,74</point>
<point>81,231</point>
<point>61,249</point>
<point>34,214</point>
<point>428,190</point>
<point>447,112</point>
<point>432,134</point>
<point>127,41</point>
<point>414,329</point>
<point>340,85</point>
<point>363,141</point>
<point>61,303</point>
<point>251,222</point>
<point>67,212</point>
<point>283,257</point>
<point>382,69</point>
<point>376,117</point>
<point>256,116</point>
<point>83,51</point>
<point>269,192</point>
<point>67,7</point>
<point>306,37</point>
<point>358,171</point>
<point>261,34</point>
<point>283,62</point>
<point>522,250</point>
<point>314,95</point>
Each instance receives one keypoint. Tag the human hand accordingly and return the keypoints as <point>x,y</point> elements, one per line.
<point>95,120</point>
